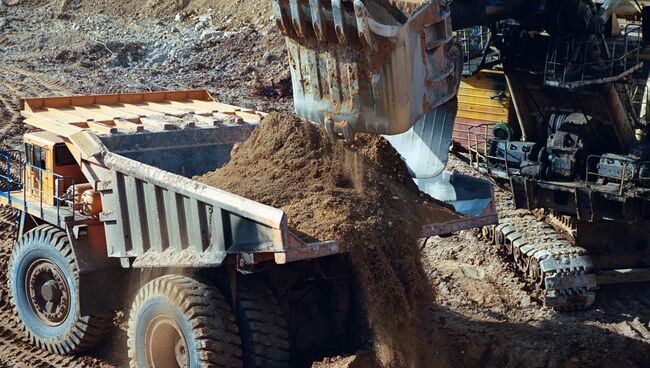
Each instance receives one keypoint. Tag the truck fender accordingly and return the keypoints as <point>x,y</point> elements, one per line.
<point>102,279</point>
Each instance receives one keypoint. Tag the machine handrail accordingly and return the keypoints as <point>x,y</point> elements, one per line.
<point>58,197</point>
<point>14,158</point>
<point>628,172</point>
<point>6,177</point>
<point>564,67</point>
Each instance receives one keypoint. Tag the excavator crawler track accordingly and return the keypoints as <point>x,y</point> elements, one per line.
<point>563,271</point>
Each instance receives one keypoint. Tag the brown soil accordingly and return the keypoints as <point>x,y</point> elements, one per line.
<point>361,195</point>
<point>359,360</point>
<point>225,14</point>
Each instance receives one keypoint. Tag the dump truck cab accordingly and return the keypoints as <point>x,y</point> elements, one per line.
<point>50,167</point>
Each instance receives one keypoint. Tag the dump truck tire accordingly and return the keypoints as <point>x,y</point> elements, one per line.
<point>263,328</point>
<point>177,321</point>
<point>44,287</point>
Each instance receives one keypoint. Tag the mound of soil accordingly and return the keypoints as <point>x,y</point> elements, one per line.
<point>360,194</point>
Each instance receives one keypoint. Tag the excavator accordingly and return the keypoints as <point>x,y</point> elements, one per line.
<point>575,151</point>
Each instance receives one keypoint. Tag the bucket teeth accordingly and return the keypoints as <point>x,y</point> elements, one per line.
<point>338,21</point>
<point>317,20</point>
<point>362,66</point>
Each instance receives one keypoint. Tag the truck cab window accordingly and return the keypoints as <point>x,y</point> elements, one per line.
<point>38,157</point>
<point>29,153</point>
<point>63,156</point>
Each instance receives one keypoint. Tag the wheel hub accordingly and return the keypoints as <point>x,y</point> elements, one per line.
<point>51,292</point>
<point>165,344</point>
<point>48,292</point>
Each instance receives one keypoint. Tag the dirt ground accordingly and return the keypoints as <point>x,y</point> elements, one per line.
<point>483,313</point>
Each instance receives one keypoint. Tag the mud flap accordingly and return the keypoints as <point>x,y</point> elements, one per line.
<point>103,284</point>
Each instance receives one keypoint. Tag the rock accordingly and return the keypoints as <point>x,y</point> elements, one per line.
<point>472,272</point>
<point>200,25</point>
<point>180,17</point>
<point>205,18</point>
<point>174,29</point>
<point>210,34</point>
<point>268,57</point>
<point>3,24</point>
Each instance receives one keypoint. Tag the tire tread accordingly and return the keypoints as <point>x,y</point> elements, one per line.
<point>211,318</point>
<point>264,331</point>
<point>86,331</point>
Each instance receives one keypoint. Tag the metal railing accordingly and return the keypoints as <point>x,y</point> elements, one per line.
<point>479,143</point>
<point>11,172</point>
<point>626,179</point>
<point>479,140</point>
<point>59,196</point>
<point>13,178</point>
<point>572,63</point>
<point>637,87</point>
<point>475,43</point>
<point>638,93</point>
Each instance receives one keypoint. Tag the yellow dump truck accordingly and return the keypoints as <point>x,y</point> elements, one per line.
<point>108,216</point>
<point>103,190</point>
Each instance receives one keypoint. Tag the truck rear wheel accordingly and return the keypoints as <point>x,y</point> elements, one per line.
<point>179,322</point>
<point>44,286</point>
<point>263,328</point>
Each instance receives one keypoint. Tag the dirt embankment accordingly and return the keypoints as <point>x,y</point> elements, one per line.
<point>361,195</point>
<point>224,14</point>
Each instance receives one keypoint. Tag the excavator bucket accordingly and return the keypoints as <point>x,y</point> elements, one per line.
<point>363,66</point>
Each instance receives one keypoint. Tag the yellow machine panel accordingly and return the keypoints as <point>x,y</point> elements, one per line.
<point>483,98</point>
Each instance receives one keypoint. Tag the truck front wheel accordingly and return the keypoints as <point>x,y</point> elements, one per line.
<point>44,285</point>
<point>179,322</point>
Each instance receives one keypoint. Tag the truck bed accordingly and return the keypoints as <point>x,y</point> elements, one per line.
<point>141,152</point>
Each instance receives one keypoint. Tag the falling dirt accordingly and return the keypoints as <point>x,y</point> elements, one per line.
<point>361,195</point>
